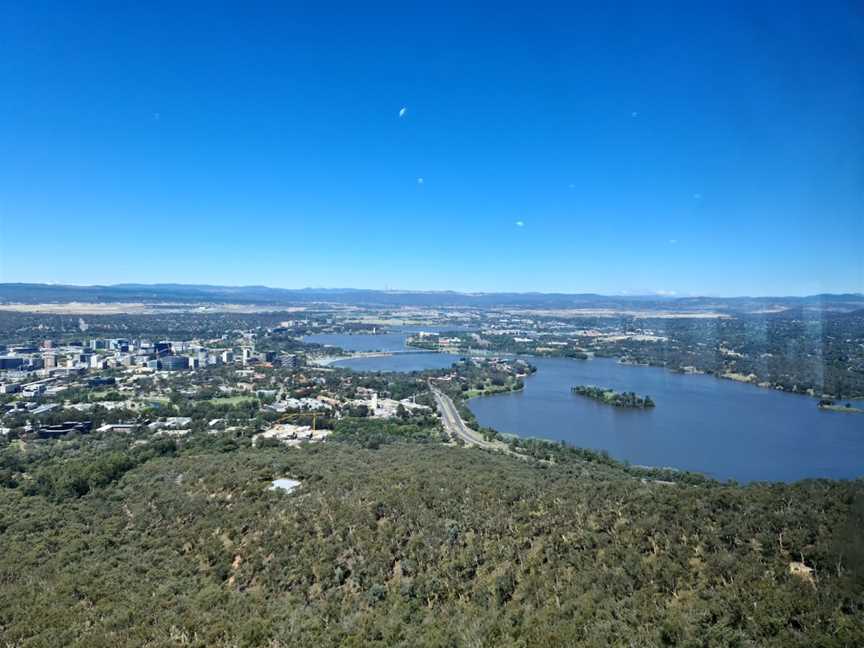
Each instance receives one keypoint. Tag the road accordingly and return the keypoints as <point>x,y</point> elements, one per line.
<point>455,426</point>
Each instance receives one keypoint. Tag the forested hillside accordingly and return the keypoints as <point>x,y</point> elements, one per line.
<point>414,544</point>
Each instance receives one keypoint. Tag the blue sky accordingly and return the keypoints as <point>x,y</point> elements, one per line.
<point>645,147</point>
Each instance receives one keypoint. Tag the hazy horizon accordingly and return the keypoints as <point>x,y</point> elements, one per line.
<point>624,294</point>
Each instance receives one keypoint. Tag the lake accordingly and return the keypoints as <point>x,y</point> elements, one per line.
<point>393,340</point>
<point>404,358</point>
<point>721,428</point>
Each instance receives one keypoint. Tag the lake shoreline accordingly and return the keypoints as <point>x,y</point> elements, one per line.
<point>722,429</point>
<point>716,437</point>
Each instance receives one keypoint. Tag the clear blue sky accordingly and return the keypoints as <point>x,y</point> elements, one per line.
<point>647,147</point>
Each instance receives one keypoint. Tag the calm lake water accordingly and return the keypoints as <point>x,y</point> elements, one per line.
<point>393,342</point>
<point>717,427</point>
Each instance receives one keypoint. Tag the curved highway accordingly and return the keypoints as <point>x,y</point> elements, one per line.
<point>455,426</point>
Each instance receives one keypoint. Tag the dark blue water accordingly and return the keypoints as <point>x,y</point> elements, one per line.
<point>718,427</point>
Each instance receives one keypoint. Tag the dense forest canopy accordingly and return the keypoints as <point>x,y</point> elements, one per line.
<point>105,541</point>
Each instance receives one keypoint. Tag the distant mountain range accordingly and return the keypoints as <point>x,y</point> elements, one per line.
<point>26,293</point>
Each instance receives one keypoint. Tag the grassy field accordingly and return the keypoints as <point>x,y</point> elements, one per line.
<point>490,389</point>
<point>232,400</point>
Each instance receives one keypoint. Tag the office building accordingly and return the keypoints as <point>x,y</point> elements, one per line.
<point>173,363</point>
<point>11,362</point>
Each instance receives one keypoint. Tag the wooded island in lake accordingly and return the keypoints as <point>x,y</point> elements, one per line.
<point>611,397</point>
